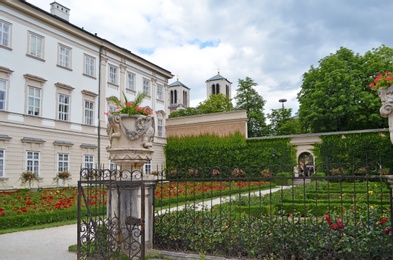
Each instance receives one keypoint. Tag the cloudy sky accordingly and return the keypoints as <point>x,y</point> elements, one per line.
<point>271,41</point>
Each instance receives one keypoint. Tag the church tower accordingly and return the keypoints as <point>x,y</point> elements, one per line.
<point>179,95</point>
<point>218,84</point>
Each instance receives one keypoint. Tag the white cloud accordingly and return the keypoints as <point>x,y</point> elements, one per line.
<point>272,42</point>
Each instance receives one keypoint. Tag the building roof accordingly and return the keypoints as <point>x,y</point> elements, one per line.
<point>178,84</point>
<point>165,72</point>
<point>217,77</point>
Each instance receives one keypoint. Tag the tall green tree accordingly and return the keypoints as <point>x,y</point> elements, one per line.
<point>282,122</point>
<point>248,99</point>
<point>335,96</point>
<point>215,103</point>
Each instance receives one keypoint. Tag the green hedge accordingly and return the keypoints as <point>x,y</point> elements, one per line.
<point>26,220</point>
<point>185,155</point>
<point>355,154</point>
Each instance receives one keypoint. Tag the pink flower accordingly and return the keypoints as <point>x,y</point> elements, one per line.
<point>106,113</point>
<point>129,104</point>
<point>340,223</point>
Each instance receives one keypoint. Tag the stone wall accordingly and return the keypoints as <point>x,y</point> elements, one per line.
<point>221,124</point>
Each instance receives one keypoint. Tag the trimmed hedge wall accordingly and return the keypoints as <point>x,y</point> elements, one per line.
<point>186,156</point>
<point>355,154</point>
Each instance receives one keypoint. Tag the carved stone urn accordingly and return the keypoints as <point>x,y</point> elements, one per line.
<point>386,110</point>
<point>130,199</point>
<point>131,140</point>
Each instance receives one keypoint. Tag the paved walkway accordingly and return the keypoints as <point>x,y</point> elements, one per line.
<point>42,244</point>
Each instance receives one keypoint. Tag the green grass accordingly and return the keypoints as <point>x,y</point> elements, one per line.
<point>49,225</point>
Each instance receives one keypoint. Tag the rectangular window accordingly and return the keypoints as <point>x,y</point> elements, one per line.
<point>146,86</point>
<point>147,168</point>
<point>64,56</point>
<point>34,101</point>
<point>36,45</point>
<point>62,162</point>
<point>160,92</point>
<point>89,161</point>
<point>112,166</point>
<point>33,162</point>
<point>112,74</point>
<point>2,163</point>
<point>89,112</point>
<point>130,81</point>
<point>159,127</point>
<point>64,107</point>
<point>90,64</point>
<point>3,94</point>
<point>5,34</point>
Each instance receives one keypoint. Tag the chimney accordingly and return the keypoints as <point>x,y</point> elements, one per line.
<point>60,11</point>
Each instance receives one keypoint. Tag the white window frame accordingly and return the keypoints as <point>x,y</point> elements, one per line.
<point>88,161</point>
<point>88,112</point>
<point>3,94</point>
<point>36,45</point>
<point>34,101</point>
<point>160,92</point>
<point>5,34</point>
<point>113,71</point>
<point>112,166</point>
<point>63,162</point>
<point>65,56</point>
<point>130,81</point>
<point>160,127</point>
<point>63,107</point>
<point>147,168</point>
<point>146,86</point>
<point>90,66</point>
<point>2,163</point>
<point>33,162</point>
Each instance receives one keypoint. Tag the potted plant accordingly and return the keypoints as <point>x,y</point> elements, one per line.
<point>383,83</point>
<point>28,177</point>
<point>62,177</point>
<point>131,131</point>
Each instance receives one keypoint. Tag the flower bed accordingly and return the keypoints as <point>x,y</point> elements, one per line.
<point>177,192</point>
<point>25,207</point>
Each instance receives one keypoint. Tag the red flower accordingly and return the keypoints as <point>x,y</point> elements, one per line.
<point>372,85</point>
<point>387,231</point>
<point>378,78</point>
<point>328,220</point>
<point>334,227</point>
<point>129,104</point>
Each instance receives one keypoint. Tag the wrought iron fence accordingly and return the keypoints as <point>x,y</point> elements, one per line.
<point>249,212</point>
<point>261,212</point>
<point>111,220</point>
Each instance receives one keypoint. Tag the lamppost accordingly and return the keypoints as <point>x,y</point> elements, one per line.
<point>282,101</point>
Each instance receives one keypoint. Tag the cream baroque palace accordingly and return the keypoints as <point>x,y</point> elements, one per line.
<point>55,79</point>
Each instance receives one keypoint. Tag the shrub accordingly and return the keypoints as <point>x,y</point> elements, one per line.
<point>283,179</point>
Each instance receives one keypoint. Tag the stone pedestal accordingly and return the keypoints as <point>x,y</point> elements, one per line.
<point>131,139</point>
<point>386,109</point>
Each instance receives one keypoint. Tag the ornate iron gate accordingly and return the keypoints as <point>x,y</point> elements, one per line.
<point>111,221</point>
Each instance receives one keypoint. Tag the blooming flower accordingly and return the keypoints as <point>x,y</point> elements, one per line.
<point>382,81</point>
<point>128,107</point>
